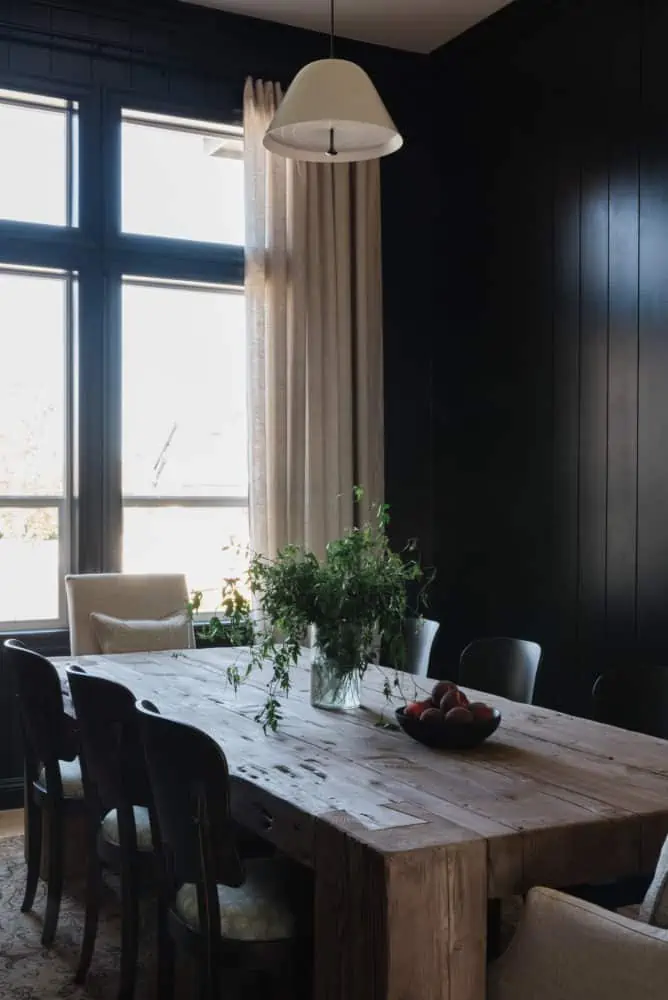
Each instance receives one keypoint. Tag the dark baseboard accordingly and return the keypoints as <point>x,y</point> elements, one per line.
<point>11,793</point>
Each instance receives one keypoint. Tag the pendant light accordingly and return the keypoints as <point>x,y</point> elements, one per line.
<point>332,113</point>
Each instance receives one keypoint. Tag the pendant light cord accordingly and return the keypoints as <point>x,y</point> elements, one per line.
<point>331,29</point>
<point>332,148</point>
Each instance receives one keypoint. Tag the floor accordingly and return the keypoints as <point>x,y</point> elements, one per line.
<point>30,972</point>
<point>11,823</point>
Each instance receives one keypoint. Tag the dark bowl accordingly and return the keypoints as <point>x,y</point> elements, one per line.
<point>448,735</point>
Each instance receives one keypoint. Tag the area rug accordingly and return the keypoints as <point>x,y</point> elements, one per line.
<point>30,972</point>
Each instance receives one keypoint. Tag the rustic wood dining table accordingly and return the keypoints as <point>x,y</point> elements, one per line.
<point>407,844</point>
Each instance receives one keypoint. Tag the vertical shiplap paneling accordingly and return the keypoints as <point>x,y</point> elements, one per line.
<point>593,388</point>
<point>566,389</point>
<point>604,320</point>
<point>534,617</point>
<point>653,342</point>
<point>623,388</point>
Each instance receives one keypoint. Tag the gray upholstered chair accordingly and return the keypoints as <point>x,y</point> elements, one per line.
<point>566,949</point>
<point>419,635</point>
<point>502,666</point>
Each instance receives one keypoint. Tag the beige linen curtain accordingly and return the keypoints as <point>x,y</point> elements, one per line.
<point>314,327</point>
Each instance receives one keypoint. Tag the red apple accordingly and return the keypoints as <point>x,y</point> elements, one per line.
<point>416,708</point>
<point>454,699</point>
<point>459,715</point>
<point>431,715</point>
<point>440,690</point>
<point>481,711</point>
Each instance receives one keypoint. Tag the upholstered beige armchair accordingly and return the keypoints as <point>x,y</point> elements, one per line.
<point>566,949</point>
<point>124,612</point>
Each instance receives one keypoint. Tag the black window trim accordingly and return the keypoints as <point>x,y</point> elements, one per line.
<point>100,255</point>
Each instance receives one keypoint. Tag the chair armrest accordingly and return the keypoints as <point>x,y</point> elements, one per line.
<point>566,949</point>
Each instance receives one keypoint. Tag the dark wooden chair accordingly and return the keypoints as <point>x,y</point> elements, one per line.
<point>508,668</point>
<point>117,793</point>
<point>236,917</point>
<point>633,698</point>
<point>501,666</point>
<point>53,786</point>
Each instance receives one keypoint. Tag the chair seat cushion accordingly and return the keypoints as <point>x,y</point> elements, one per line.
<point>654,909</point>
<point>70,775</point>
<point>142,826</point>
<point>259,910</point>
<point>127,635</point>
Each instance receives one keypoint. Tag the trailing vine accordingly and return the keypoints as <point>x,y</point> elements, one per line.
<point>356,597</point>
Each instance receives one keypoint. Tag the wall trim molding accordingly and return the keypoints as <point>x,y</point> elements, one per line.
<point>11,793</point>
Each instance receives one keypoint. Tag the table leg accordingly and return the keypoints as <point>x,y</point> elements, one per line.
<point>405,925</point>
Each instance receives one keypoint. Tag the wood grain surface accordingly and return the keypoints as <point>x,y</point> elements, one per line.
<point>407,843</point>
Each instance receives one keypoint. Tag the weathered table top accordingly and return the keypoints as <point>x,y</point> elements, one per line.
<point>548,799</point>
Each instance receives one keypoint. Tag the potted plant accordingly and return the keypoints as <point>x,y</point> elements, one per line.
<point>353,600</point>
<point>228,626</point>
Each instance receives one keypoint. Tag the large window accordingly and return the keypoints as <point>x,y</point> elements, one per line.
<point>36,312</point>
<point>38,163</point>
<point>184,459</point>
<point>182,179</point>
<point>123,428</point>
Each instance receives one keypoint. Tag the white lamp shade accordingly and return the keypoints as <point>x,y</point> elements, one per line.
<point>332,94</point>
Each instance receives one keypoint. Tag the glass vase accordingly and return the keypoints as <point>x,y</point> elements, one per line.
<point>333,686</point>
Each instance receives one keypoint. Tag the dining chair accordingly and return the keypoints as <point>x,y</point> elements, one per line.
<point>567,949</point>
<point>230,913</point>
<point>127,613</point>
<point>633,698</point>
<point>116,790</point>
<point>419,636</point>
<point>53,785</point>
<point>636,699</point>
<point>508,668</point>
<point>501,666</point>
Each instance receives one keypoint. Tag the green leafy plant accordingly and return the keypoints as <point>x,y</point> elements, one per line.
<point>226,627</point>
<point>356,597</point>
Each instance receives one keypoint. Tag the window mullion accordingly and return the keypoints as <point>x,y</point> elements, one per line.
<point>112,513</point>
<point>66,523</point>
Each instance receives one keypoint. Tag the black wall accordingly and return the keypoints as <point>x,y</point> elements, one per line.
<point>551,427</point>
<point>195,60</point>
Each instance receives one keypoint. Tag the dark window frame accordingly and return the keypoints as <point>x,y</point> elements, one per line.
<point>101,254</point>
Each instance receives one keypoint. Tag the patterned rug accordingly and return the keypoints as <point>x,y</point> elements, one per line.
<point>30,972</point>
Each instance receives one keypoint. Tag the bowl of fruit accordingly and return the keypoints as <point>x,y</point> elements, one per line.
<point>448,720</point>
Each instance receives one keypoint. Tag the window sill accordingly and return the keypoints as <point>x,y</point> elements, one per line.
<point>50,642</point>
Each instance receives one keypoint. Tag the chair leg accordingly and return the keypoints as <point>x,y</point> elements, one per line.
<point>293,979</point>
<point>55,887</point>
<point>209,987</point>
<point>165,956</point>
<point>34,852</point>
<point>129,928</point>
<point>209,984</point>
<point>302,961</point>
<point>93,893</point>
<point>284,988</point>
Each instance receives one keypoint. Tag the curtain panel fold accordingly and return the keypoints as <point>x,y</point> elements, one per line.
<point>315,344</point>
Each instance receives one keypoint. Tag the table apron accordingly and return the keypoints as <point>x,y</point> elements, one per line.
<point>277,821</point>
